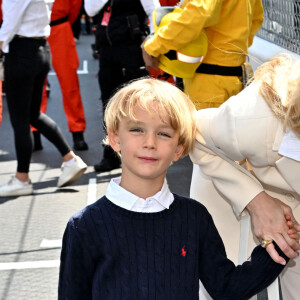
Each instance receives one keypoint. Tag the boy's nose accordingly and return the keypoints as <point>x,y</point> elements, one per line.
<point>150,141</point>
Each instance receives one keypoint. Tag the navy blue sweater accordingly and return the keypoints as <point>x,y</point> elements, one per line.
<point>111,253</point>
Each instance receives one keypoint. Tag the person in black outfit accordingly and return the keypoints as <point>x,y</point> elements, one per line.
<point>27,62</point>
<point>122,26</point>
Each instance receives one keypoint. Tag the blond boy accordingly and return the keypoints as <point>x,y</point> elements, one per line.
<point>140,241</point>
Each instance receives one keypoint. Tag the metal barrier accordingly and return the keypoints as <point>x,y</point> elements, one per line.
<point>282,23</point>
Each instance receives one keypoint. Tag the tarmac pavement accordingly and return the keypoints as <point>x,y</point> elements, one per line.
<point>32,226</point>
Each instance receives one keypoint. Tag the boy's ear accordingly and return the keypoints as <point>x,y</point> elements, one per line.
<point>113,139</point>
<point>179,150</point>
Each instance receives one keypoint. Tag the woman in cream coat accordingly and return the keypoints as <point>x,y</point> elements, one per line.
<point>260,129</point>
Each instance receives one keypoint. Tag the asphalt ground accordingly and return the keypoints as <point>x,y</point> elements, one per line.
<point>31,227</point>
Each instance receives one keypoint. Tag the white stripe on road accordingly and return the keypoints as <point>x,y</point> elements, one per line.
<point>50,243</point>
<point>83,71</point>
<point>92,191</point>
<point>84,68</point>
<point>30,265</point>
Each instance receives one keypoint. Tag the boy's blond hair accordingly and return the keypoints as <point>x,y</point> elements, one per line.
<point>154,96</point>
<point>279,81</point>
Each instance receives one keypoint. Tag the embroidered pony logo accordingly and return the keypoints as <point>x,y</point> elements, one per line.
<point>183,251</point>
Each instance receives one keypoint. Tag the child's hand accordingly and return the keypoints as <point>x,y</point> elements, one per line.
<point>292,232</point>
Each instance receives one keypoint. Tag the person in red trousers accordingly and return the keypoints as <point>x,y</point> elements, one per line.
<point>65,63</point>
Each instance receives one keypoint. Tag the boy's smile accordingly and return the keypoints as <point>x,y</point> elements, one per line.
<point>148,145</point>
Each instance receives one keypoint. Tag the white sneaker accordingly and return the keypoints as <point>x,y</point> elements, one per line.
<point>15,187</point>
<point>71,172</point>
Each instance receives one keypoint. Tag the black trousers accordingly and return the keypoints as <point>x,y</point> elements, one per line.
<point>119,64</point>
<point>26,68</point>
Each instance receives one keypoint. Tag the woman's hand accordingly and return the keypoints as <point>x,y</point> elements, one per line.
<point>268,217</point>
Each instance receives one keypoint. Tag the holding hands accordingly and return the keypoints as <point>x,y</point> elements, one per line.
<point>273,220</point>
<point>292,232</point>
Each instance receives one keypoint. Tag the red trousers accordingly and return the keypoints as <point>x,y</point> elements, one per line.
<point>65,63</point>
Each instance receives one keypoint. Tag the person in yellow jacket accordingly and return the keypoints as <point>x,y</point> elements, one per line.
<point>230,26</point>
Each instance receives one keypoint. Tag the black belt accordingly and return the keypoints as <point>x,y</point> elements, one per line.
<point>30,37</point>
<point>220,70</point>
<point>59,21</point>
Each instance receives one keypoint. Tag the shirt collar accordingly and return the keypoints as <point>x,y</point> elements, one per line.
<point>125,199</point>
<point>290,146</point>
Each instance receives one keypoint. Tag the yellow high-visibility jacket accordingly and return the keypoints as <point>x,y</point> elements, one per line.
<point>230,26</point>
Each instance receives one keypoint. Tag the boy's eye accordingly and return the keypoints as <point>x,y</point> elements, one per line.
<point>135,129</point>
<point>165,134</point>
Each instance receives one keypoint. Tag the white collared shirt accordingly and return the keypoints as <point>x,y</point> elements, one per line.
<point>92,7</point>
<point>122,198</point>
<point>29,18</point>
<point>290,146</point>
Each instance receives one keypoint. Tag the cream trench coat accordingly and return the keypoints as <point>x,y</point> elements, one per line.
<point>243,128</point>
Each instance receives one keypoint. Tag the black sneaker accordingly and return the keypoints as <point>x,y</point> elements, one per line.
<point>79,142</point>
<point>107,164</point>
<point>80,146</point>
